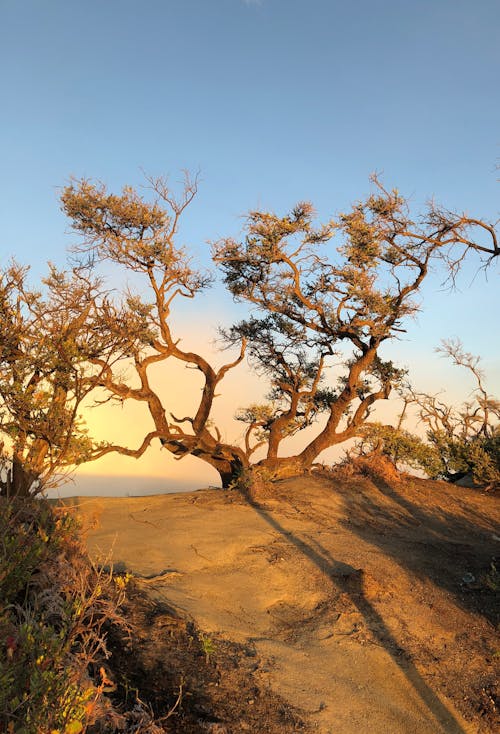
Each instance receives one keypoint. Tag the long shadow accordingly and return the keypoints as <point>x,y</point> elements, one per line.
<point>433,543</point>
<point>350,581</point>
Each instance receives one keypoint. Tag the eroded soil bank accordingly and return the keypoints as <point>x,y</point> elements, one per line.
<point>324,605</point>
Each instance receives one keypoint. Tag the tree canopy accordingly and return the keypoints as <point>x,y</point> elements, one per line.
<point>322,300</point>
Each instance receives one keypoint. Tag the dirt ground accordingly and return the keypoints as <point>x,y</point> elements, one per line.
<point>318,604</point>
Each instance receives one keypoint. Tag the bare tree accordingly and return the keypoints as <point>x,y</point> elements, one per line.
<point>47,340</point>
<point>321,314</point>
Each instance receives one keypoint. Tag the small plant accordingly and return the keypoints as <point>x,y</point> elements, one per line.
<point>122,580</point>
<point>492,578</point>
<point>208,646</point>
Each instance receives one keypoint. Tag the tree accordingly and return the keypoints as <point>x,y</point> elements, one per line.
<point>47,340</point>
<point>466,439</point>
<point>459,441</point>
<point>316,309</point>
<point>318,313</point>
<point>140,237</point>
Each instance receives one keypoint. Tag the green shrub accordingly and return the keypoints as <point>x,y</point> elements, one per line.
<point>478,456</point>
<point>442,456</point>
<point>401,447</point>
<point>55,605</point>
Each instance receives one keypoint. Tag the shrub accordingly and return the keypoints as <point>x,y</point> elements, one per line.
<point>401,447</point>
<point>442,456</point>
<point>55,605</point>
<point>478,456</point>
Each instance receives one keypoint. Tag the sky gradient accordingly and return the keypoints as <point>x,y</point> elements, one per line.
<point>273,101</point>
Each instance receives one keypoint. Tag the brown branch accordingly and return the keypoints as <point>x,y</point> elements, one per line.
<point>124,451</point>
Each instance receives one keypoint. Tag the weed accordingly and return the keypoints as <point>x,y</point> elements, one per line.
<point>208,646</point>
<point>492,578</point>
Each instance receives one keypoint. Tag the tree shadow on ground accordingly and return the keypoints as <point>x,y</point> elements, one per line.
<point>349,580</point>
<point>446,540</point>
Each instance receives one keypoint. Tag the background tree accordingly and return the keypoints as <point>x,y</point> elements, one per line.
<point>321,313</point>
<point>47,340</point>
<point>467,438</point>
<point>460,441</point>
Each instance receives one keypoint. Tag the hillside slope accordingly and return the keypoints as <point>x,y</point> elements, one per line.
<point>362,604</point>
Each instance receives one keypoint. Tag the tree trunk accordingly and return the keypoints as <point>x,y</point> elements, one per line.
<point>228,463</point>
<point>18,482</point>
<point>283,466</point>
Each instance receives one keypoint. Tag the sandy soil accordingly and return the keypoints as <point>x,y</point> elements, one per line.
<point>369,606</point>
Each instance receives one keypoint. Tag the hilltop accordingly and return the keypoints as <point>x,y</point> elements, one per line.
<point>314,603</point>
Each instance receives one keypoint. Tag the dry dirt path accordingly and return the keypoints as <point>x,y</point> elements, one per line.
<point>349,622</point>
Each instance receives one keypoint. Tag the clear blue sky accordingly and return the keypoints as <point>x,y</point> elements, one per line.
<point>273,101</point>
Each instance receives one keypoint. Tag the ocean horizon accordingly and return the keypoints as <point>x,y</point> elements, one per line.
<point>96,485</point>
